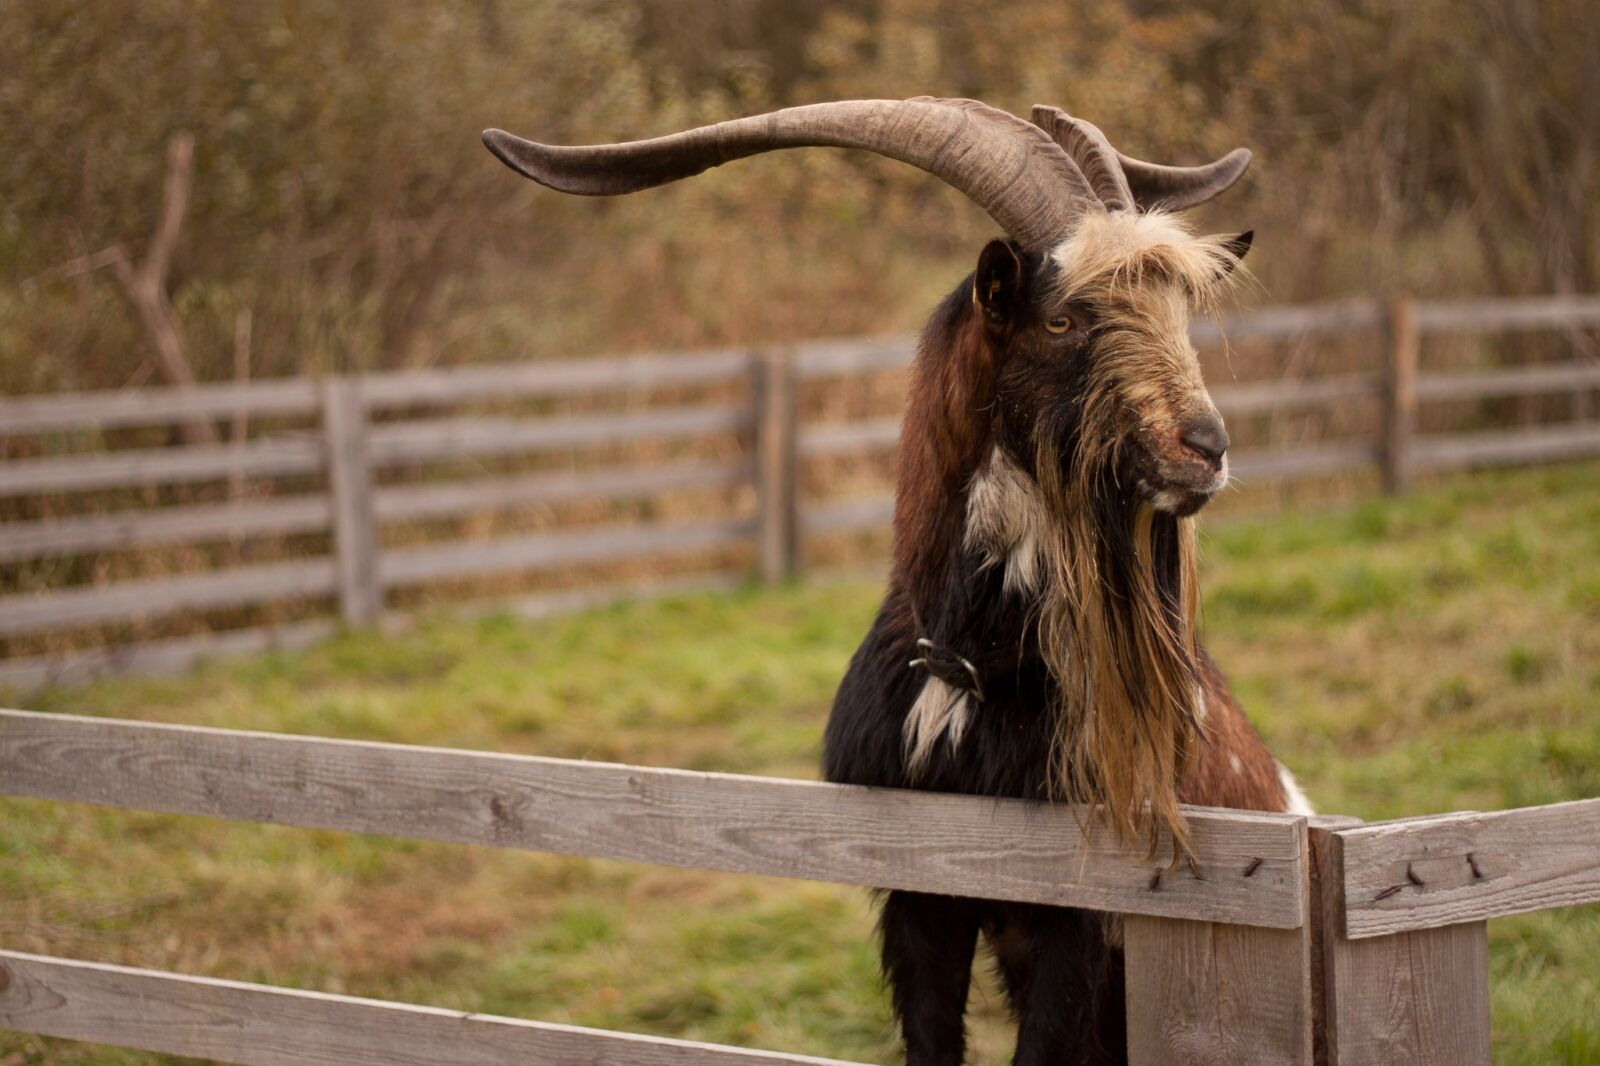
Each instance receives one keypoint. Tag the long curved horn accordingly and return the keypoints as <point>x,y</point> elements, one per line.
<point>1012,169</point>
<point>1175,188</point>
<point>1088,147</point>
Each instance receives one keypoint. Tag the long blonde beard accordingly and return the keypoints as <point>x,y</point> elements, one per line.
<point>1120,644</point>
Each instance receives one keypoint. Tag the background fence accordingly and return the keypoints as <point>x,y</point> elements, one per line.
<point>1286,942</point>
<point>126,546</point>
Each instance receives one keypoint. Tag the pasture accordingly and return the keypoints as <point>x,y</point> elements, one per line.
<point>1432,653</point>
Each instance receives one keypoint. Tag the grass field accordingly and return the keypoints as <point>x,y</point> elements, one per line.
<point>1404,657</point>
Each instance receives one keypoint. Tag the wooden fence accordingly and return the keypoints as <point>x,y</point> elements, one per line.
<point>344,471</point>
<point>1291,940</point>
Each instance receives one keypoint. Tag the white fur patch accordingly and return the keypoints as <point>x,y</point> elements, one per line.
<point>1007,520</point>
<point>940,710</point>
<point>1295,800</point>
<point>1235,763</point>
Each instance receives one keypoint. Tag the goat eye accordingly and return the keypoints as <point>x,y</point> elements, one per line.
<point>1058,325</point>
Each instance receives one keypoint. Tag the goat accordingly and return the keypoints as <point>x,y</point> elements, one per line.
<point>1038,637</point>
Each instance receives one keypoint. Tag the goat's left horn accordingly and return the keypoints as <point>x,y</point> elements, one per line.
<point>1010,168</point>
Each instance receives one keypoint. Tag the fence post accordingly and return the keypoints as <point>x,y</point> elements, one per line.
<point>775,465</point>
<point>1419,997</point>
<point>355,525</point>
<point>1216,993</point>
<point>1399,393</point>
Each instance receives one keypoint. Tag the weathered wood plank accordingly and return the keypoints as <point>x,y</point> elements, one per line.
<point>849,438</point>
<point>431,440</point>
<point>553,378</point>
<point>259,1025</point>
<point>1211,994</point>
<point>1509,381</point>
<point>1417,997</point>
<point>156,658</point>
<point>1401,355</point>
<point>120,530</point>
<point>776,488</point>
<point>1514,447</point>
<point>1261,465</point>
<point>1509,314</point>
<point>157,596</point>
<point>886,838</point>
<point>150,466</point>
<point>429,500</point>
<point>848,515</point>
<point>533,551</point>
<point>853,355</point>
<point>1208,994</point>
<point>1252,397</point>
<point>1271,323</point>
<point>155,406</point>
<point>1468,867</point>
<point>355,525</point>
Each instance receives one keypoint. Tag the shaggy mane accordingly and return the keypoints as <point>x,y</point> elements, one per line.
<point>1125,255</point>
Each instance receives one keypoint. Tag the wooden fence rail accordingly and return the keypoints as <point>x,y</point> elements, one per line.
<point>1274,948</point>
<point>365,438</point>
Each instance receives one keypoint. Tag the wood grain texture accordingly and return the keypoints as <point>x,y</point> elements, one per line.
<point>431,440</point>
<point>157,596</point>
<point>1472,866</point>
<point>533,551</point>
<point>1212,994</point>
<point>553,378</point>
<point>119,530</point>
<point>1417,998</point>
<point>1319,830</point>
<point>155,406</point>
<point>434,499</point>
<point>273,456</point>
<point>155,658</point>
<point>1207,994</point>
<point>258,1025</point>
<point>886,838</point>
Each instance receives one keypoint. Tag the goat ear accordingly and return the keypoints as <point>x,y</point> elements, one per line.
<point>1236,247</point>
<point>997,283</point>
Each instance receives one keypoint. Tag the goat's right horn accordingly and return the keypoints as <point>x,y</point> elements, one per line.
<point>1009,167</point>
<point>1175,188</point>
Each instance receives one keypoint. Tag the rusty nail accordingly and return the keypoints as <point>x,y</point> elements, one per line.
<point>1255,864</point>
<point>1477,874</point>
<point>1155,881</point>
<point>1411,875</point>
<point>1386,893</point>
<point>1194,868</point>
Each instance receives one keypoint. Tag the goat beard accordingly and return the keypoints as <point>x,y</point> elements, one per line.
<point>1116,627</point>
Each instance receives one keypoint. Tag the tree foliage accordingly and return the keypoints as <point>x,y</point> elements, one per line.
<point>341,195</point>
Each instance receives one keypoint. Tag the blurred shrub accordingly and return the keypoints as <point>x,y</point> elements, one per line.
<point>1446,146</point>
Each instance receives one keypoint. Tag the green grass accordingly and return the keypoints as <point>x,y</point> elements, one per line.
<point>1405,657</point>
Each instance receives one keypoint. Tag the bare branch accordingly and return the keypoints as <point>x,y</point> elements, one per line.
<point>174,204</point>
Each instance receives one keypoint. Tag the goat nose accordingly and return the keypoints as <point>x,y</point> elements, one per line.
<point>1205,434</point>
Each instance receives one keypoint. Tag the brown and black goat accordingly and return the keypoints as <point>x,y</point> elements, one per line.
<point>1038,636</point>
